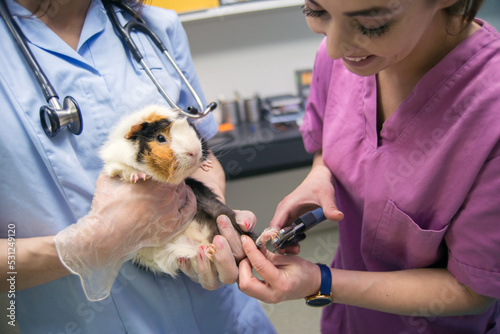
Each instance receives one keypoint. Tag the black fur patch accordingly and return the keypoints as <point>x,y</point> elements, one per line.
<point>147,134</point>
<point>209,207</point>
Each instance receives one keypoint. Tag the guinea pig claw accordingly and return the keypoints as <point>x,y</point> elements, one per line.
<point>206,165</point>
<point>134,177</point>
<point>211,252</point>
<point>268,234</point>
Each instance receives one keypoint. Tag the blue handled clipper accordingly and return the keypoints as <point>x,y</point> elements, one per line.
<point>295,233</point>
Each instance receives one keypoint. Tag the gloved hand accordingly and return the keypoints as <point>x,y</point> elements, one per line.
<point>222,269</point>
<point>123,219</point>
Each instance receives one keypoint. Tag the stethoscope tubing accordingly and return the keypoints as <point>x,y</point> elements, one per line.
<point>55,117</point>
<point>139,25</point>
<point>47,89</point>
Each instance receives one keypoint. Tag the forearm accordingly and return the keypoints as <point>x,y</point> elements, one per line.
<point>36,262</point>
<point>214,178</point>
<point>418,292</point>
<point>319,169</point>
<point>318,159</point>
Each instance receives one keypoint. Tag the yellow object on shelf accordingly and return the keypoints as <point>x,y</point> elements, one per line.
<point>182,6</point>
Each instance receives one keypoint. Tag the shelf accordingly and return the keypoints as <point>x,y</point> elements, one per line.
<point>252,149</point>
<point>239,8</point>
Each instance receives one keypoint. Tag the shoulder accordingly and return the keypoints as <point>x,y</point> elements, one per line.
<point>161,19</point>
<point>469,75</point>
<point>481,50</point>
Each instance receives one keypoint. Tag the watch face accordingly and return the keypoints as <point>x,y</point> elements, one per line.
<point>319,301</point>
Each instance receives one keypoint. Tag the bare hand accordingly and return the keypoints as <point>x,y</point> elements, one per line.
<point>221,267</point>
<point>315,191</point>
<point>285,277</point>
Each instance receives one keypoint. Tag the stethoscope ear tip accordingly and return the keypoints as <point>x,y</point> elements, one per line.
<point>212,106</point>
<point>193,112</point>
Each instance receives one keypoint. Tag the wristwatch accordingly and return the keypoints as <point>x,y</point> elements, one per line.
<point>324,297</point>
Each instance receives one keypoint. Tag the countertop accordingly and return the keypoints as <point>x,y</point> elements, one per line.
<point>252,149</point>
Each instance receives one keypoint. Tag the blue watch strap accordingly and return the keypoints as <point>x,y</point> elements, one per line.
<point>324,296</point>
<point>326,279</point>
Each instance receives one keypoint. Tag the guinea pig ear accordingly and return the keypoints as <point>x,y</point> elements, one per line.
<point>134,129</point>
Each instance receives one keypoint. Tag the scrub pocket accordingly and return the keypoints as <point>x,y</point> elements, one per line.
<point>399,241</point>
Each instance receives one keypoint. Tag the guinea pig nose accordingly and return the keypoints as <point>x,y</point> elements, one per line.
<point>192,154</point>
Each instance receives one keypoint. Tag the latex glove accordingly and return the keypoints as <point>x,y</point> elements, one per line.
<point>222,267</point>
<point>283,277</point>
<point>123,219</point>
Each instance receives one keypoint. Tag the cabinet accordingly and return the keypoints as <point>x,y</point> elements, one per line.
<point>239,8</point>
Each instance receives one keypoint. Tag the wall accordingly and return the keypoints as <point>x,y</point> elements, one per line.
<point>252,53</point>
<point>491,13</point>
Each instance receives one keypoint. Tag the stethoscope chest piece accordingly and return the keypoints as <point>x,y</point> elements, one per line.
<point>55,118</point>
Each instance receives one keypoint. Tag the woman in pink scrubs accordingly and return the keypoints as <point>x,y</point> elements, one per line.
<point>404,118</point>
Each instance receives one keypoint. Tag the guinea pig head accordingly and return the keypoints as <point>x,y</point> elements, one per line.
<point>168,149</point>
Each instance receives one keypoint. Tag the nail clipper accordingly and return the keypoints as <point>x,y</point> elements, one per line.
<point>295,233</point>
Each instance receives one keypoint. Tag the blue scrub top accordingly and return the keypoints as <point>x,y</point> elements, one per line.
<point>48,183</point>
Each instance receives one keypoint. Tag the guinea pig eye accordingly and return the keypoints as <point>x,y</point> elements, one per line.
<point>161,139</point>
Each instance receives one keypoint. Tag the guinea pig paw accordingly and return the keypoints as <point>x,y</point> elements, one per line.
<point>134,177</point>
<point>268,234</point>
<point>206,165</point>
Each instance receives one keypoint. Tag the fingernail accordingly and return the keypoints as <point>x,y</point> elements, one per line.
<point>218,242</point>
<point>224,221</point>
<point>244,238</point>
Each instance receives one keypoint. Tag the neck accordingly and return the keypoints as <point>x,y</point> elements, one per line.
<point>65,18</point>
<point>440,40</point>
<point>397,82</point>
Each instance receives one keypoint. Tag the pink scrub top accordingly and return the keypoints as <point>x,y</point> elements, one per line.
<point>426,192</point>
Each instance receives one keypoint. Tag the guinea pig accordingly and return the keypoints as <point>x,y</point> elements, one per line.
<point>159,144</point>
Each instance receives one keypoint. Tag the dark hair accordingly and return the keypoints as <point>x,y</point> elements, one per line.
<point>465,8</point>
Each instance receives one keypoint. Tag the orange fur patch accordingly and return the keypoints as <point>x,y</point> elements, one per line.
<point>162,159</point>
<point>133,130</point>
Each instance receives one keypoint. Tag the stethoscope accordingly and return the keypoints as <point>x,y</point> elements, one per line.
<point>55,117</point>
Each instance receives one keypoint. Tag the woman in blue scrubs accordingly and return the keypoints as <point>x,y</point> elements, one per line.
<point>48,184</point>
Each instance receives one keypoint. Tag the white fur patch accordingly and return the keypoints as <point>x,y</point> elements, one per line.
<point>184,245</point>
<point>120,159</point>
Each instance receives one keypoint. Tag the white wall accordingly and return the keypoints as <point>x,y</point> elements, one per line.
<point>252,53</point>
